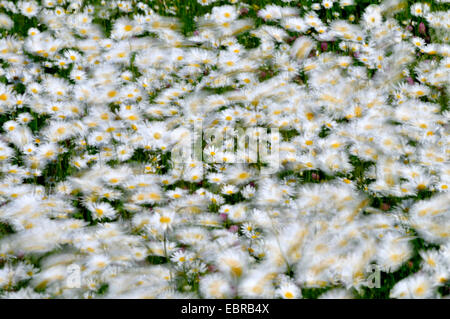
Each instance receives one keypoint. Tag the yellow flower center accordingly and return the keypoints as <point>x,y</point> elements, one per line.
<point>164,220</point>
<point>288,295</point>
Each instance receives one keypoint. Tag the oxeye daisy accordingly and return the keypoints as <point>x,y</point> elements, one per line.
<point>238,213</point>
<point>315,6</point>
<point>258,284</point>
<point>124,152</point>
<point>215,286</point>
<point>294,24</point>
<point>301,48</point>
<point>28,8</point>
<point>97,263</point>
<point>181,258</point>
<point>164,220</point>
<point>6,22</point>
<point>98,138</point>
<point>229,189</point>
<point>396,254</point>
<point>372,16</point>
<point>232,262</point>
<point>327,4</point>
<point>78,75</point>
<point>239,175</point>
<point>418,9</point>
<point>228,61</point>
<point>176,193</point>
<point>224,13</point>
<point>248,191</point>
<point>337,293</point>
<point>123,28</point>
<point>249,230</point>
<point>10,126</point>
<point>345,3</point>
<point>288,290</point>
<point>430,259</point>
<point>417,286</point>
<point>102,210</point>
<point>270,12</point>
<point>47,151</point>
<point>215,178</point>
<point>72,56</point>
<point>93,121</point>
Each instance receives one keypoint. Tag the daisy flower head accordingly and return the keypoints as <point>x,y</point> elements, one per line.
<point>302,47</point>
<point>315,6</point>
<point>248,191</point>
<point>6,22</point>
<point>270,12</point>
<point>164,220</point>
<point>225,13</point>
<point>102,210</point>
<point>215,286</point>
<point>258,283</point>
<point>181,258</point>
<point>97,263</point>
<point>28,8</point>
<point>206,2</point>
<point>346,3</point>
<point>372,16</point>
<point>419,9</point>
<point>238,213</point>
<point>239,175</point>
<point>123,28</point>
<point>327,4</point>
<point>417,286</point>
<point>288,290</point>
<point>232,263</point>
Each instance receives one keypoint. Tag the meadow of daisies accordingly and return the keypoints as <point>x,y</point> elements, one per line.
<point>96,97</point>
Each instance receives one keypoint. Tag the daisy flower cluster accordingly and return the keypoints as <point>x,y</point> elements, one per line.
<point>96,97</point>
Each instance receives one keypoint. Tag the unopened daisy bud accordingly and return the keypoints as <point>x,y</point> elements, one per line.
<point>212,268</point>
<point>422,28</point>
<point>243,11</point>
